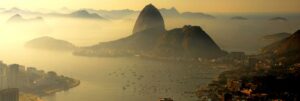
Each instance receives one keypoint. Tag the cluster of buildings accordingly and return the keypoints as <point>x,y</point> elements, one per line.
<point>259,78</point>
<point>13,78</point>
<point>9,82</point>
<point>16,76</point>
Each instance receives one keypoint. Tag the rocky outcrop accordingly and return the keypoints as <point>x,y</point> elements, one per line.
<point>149,18</point>
<point>189,41</point>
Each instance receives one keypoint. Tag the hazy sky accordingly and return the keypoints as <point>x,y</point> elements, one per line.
<point>181,5</point>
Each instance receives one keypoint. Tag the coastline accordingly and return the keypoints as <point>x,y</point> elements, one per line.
<point>53,91</point>
<point>28,96</point>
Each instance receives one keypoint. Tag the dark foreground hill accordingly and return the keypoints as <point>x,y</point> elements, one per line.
<point>272,75</point>
<point>286,50</point>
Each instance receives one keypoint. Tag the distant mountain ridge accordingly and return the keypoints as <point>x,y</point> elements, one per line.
<point>19,11</point>
<point>278,19</point>
<point>110,14</point>
<point>114,14</point>
<point>17,18</point>
<point>197,15</point>
<point>239,18</point>
<point>169,12</point>
<point>165,12</point>
<point>85,14</point>
<point>276,37</point>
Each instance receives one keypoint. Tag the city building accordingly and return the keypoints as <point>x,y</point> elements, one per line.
<point>13,75</point>
<point>252,62</point>
<point>3,76</point>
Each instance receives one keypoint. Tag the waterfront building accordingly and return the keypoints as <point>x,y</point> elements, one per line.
<point>13,75</point>
<point>3,76</point>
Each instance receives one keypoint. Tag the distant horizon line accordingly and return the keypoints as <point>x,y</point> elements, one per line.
<point>211,12</point>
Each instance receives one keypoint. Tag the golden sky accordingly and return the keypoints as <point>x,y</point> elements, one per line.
<point>181,5</point>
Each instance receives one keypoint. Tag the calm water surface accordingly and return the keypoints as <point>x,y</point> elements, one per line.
<point>116,79</point>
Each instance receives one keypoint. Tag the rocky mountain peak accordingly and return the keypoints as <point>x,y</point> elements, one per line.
<point>149,18</point>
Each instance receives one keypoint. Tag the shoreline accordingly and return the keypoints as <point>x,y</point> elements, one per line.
<point>53,91</point>
<point>38,97</point>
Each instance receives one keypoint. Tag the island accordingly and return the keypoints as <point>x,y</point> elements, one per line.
<point>50,43</point>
